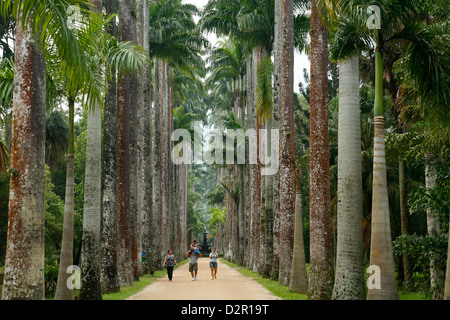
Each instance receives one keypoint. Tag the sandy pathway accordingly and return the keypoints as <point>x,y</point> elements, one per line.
<point>229,285</point>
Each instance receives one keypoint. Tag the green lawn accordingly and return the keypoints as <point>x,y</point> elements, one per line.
<point>284,293</point>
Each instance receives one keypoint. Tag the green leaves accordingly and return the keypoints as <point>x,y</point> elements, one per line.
<point>174,36</point>
<point>264,101</point>
<point>6,82</point>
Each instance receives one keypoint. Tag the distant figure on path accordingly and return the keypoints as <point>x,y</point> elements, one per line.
<point>169,263</point>
<point>193,265</point>
<point>214,257</point>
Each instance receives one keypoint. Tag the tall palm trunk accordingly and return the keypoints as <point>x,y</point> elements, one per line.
<point>145,188</point>
<point>91,246</point>
<point>268,209</point>
<point>90,264</point>
<point>250,167</point>
<point>259,55</point>
<point>299,277</point>
<point>447,277</point>
<point>109,276</point>
<point>287,170</point>
<point>321,252</point>
<point>381,254</point>
<point>24,264</point>
<point>124,254</point>
<point>66,256</point>
<point>157,243</point>
<point>242,171</point>
<point>349,281</point>
<point>404,214</point>
<point>434,229</point>
<point>276,125</point>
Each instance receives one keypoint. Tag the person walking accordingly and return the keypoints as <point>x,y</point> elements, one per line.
<point>213,258</point>
<point>169,263</point>
<point>193,263</point>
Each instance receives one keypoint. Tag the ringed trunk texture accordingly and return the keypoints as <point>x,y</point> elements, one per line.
<point>321,244</point>
<point>381,254</point>
<point>90,264</point>
<point>24,264</point>
<point>299,277</point>
<point>349,280</point>
<point>66,256</point>
<point>287,169</point>
<point>91,242</point>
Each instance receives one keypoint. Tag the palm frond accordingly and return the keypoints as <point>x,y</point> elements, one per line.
<point>264,89</point>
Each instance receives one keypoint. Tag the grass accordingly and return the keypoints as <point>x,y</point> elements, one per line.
<point>126,292</point>
<point>273,286</point>
<point>284,293</point>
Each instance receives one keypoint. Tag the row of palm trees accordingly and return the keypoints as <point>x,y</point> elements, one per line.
<point>135,199</point>
<point>410,39</point>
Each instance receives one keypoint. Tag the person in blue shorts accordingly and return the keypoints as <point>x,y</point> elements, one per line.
<point>194,247</point>
<point>213,258</point>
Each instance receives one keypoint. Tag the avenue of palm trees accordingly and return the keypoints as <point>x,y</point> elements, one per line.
<point>91,92</point>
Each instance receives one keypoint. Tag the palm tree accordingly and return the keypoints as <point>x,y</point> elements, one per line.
<point>174,43</point>
<point>23,276</point>
<point>401,25</point>
<point>90,263</point>
<point>287,170</point>
<point>299,277</point>
<point>321,253</point>
<point>27,191</point>
<point>109,277</point>
<point>124,254</point>
<point>349,281</point>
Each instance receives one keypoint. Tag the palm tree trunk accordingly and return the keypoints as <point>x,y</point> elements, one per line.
<point>447,277</point>
<point>66,256</point>
<point>381,254</point>
<point>90,252</point>
<point>250,87</point>
<point>258,57</point>
<point>437,276</point>
<point>157,243</point>
<point>299,277</point>
<point>276,125</point>
<point>124,254</point>
<point>321,251</point>
<point>24,264</point>
<point>349,281</point>
<point>287,170</point>
<point>109,277</point>
<point>146,191</point>
<point>90,263</point>
<point>404,214</point>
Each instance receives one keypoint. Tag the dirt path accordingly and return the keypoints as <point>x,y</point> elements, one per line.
<point>229,285</point>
